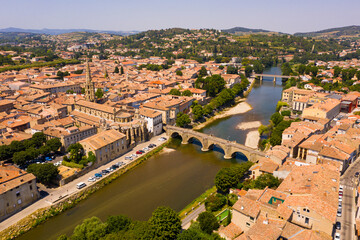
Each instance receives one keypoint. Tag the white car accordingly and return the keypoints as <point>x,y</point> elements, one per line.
<point>91,179</point>
<point>341,188</point>
<point>340,198</point>
<point>337,236</point>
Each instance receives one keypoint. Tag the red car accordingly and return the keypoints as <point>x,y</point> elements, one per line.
<point>138,152</point>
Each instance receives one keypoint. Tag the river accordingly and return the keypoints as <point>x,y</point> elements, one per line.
<point>172,178</point>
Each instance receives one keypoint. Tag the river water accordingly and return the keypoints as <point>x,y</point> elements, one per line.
<point>172,178</point>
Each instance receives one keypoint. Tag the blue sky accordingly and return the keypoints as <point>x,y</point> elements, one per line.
<point>279,15</point>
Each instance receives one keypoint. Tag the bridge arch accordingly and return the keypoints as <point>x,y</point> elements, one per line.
<point>242,155</point>
<point>196,139</point>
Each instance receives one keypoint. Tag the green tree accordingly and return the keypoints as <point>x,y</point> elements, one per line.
<point>45,173</point>
<point>179,73</point>
<point>121,70</point>
<point>91,229</point>
<point>266,180</point>
<point>166,223</point>
<point>248,71</point>
<point>202,72</point>
<point>187,93</point>
<point>54,144</point>
<point>20,158</point>
<point>117,223</point>
<point>38,139</point>
<point>76,151</point>
<point>276,118</point>
<point>190,234</point>
<point>182,119</point>
<point>286,113</point>
<point>232,70</point>
<point>208,109</point>
<point>208,222</point>
<point>175,92</point>
<point>198,112</point>
<point>301,69</point>
<point>258,67</point>
<point>116,70</point>
<point>99,93</point>
<point>215,202</point>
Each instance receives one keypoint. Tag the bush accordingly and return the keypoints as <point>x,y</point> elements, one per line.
<point>72,165</point>
<point>232,199</point>
<point>215,202</point>
<point>286,113</point>
<point>208,222</point>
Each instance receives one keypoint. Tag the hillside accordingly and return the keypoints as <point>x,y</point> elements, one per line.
<point>246,31</point>
<point>341,32</point>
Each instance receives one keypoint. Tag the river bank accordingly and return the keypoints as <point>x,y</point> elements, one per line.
<point>240,106</point>
<point>43,214</point>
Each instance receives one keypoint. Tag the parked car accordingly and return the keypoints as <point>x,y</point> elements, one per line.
<point>146,149</point>
<point>91,179</point>
<point>98,175</point>
<point>162,139</point>
<point>340,205</point>
<point>337,236</point>
<point>338,225</point>
<point>341,188</point>
<point>114,166</point>
<point>139,152</point>
<point>338,213</point>
<point>340,198</point>
<point>109,169</point>
<point>104,172</point>
<point>341,194</point>
<point>128,158</point>
<point>80,185</point>
<point>357,174</point>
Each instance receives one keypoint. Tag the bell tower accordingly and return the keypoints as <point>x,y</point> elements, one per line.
<point>89,85</point>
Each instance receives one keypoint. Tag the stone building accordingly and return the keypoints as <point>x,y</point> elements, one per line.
<point>17,190</point>
<point>89,85</point>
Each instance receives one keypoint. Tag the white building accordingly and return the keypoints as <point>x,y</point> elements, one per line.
<point>153,119</point>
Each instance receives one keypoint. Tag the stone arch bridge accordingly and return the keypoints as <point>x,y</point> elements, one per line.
<point>208,141</point>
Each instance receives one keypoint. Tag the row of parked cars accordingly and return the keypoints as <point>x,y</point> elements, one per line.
<point>117,165</point>
<point>105,171</point>
<point>339,212</point>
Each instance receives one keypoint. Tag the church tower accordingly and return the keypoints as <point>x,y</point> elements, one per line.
<point>89,86</point>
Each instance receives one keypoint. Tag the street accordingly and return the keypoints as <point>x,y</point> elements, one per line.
<point>347,219</point>
<point>62,192</point>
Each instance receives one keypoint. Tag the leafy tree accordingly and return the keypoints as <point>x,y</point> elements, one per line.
<point>121,70</point>
<point>202,72</point>
<point>99,93</point>
<point>175,92</point>
<point>91,229</point>
<point>232,199</point>
<point>286,113</point>
<point>17,146</point>
<point>69,91</point>
<point>187,93</point>
<point>198,112</point>
<point>301,69</point>
<point>179,73</point>
<point>229,177</point>
<point>248,71</point>
<point>276,118</point>
<point>215,202</point>
<point>286,69</point>
<point>275,139</point>
<point>45,173</point>
<point>54,144</point>
<point>39,139</point>
<point>182,119</point>
<point>212,84</point>
<point>266,180</point>
<point>208,222</point>
<point>190,234</point>
<point>117,223</point>
<point>5,152</point>
<point>208,109</point>
<point>258,67</point>
<point>76,151</point>
<point>20,158</point>
<point>232,70</point>
<point>166,223</point>
<point>116,70</point>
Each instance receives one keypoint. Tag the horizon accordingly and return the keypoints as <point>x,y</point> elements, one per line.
<point>140,15</point>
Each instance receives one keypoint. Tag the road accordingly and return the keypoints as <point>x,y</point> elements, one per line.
<point>192,216</point>
<point>347,219</point>
<point>67,190</point>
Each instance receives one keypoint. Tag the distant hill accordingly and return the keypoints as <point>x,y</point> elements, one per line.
<point>341,32</point>
<point>242,31</point>
<point>62,31</point>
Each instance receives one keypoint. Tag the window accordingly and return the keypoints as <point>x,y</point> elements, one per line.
<point>248,224</point>
<point>306,220</point>
<point>252,219</point>
<point>19,201</point>
<point>17,194</point>
<point>30,187</point>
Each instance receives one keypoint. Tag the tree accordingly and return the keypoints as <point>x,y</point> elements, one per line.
<point>20,158</point>
<point>17,146</point>
<point>116,70</point>
<point>175,92</point>
<point>179,73</point>
<point>76,151</point>
<point>248,71</point>
<point>266,180</point>
<point>202,72</point>
<point>276,118</point>
<point>229,177</point>
<point>301,69</point>
<point>208,109</point>
<point>117,223</point>
<point>165,223</point>
<point>198,112</point>
<point>54,144</point>
<point>190,234</point>
<point>38,139</point>
<point>231,70</point>
<point>45,173</point>
<point>121,70</point>
<point>258,67</point>
<point>215,202</point>
<point>214,84</point>
<point>5,152</point>
<point>187,93</point>
<point>182,119</point>
<point>208,222</point>
<point>91,229</point>
<point>99,93</point>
